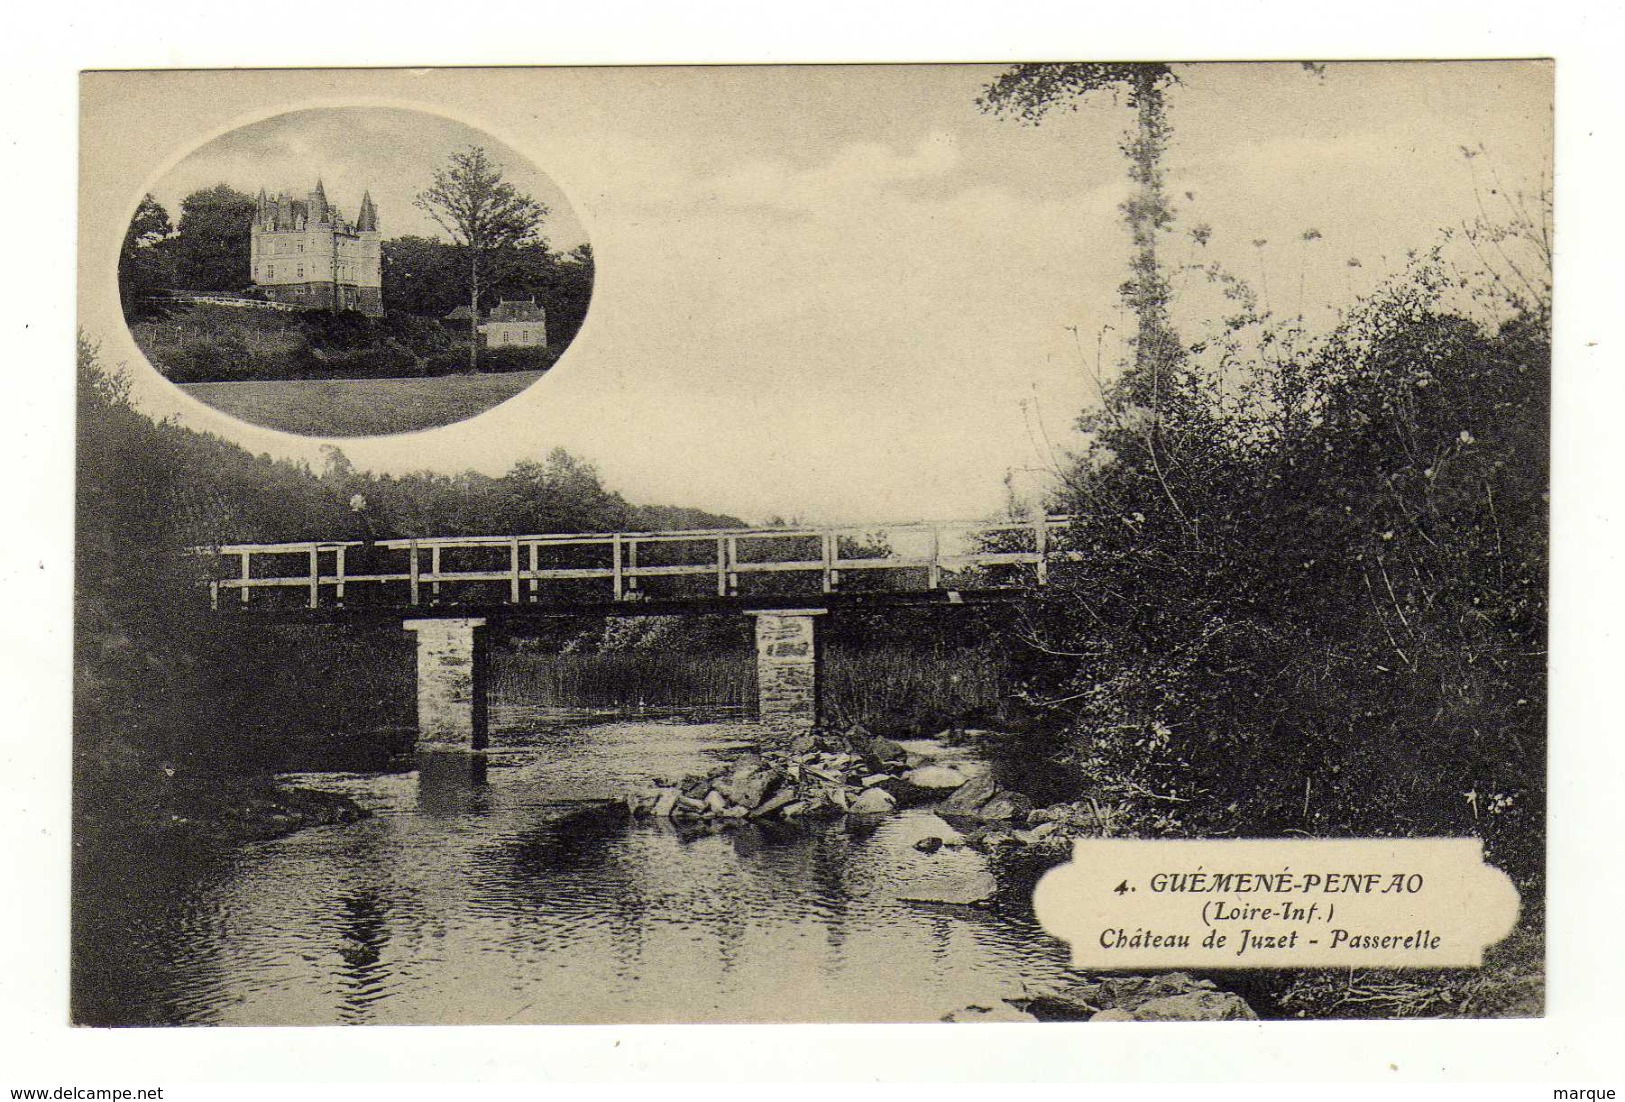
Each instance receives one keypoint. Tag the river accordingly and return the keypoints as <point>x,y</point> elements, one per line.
<point>515,901</point>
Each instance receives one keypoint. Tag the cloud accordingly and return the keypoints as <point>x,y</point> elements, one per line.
<point>855,172</point>
<point>389,151</point>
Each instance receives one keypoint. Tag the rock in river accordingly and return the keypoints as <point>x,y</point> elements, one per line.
<point>873,801</point>
<point>750,781</point>
<point>967,887</point>
<point>998,1011</point>
<point>970,796</point>
<point>1167,997</point>
<point>981,798</point>
<point>913,829</point>
<point>886,752</point>
<point>935,777</point>
<point>1196,1006</point>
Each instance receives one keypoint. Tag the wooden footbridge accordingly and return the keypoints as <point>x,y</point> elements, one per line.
<point>448,589</point>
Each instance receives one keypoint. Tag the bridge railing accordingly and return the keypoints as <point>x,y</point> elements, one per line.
<point>326,567</point>
<point>617,565</point>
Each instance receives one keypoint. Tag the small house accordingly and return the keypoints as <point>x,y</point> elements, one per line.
<point>516,323</point>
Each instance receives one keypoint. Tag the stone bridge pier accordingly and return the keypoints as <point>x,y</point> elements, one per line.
<point>787,670</point>
<point>453,664</point>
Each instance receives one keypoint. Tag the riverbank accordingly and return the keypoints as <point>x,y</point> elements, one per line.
<point>1510,984</point>
<point>221,814</point>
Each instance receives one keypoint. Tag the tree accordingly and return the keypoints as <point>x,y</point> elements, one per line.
<point>213,242</point>
<point>1328,624</point>
<point>145,266</point>
<point>484,214</point>
<point>149,225</point>
<point>422,275</point>
<point>562,282</point>
<point>426,276</point>
<point>571,293</point>
<point>1028,92</point>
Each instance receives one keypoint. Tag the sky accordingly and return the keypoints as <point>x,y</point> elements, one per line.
<point>841,293</point>
<point>389,151</point>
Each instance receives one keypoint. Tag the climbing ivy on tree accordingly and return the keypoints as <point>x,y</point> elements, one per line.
<point>1029,93</point>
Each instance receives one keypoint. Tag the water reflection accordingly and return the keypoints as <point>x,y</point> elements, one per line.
<point>139,920</point>
<point>525,900</point>
<point>452,782</point>
<point>365,933</point>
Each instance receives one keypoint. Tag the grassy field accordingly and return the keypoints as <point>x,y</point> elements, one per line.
<point>361,407</point>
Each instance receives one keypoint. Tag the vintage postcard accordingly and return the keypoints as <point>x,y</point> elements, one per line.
<point>813,544</point>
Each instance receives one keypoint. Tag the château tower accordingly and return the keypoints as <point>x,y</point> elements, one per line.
<point>303,252</point>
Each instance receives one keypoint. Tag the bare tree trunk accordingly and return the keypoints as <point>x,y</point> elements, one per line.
<point>474,309</point>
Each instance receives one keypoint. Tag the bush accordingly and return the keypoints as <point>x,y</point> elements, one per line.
<point>383,360</point>
<point>208,343</point>
<point>1326,616</point>
<point>517,359</point>
<point>444,361</point>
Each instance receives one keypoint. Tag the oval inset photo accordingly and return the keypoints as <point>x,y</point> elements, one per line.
<point>354,271</point>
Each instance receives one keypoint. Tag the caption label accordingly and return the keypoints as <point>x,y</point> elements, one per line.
<point>1277,903</point>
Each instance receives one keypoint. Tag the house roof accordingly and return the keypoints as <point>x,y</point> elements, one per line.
<point>519,310</point>
<point>461,313</point>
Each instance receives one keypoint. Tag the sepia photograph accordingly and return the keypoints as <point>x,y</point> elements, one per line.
<point>276,307</point>
<point>703,544</point>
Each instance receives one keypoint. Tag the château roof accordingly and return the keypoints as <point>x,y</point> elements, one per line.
<point>287,213</point>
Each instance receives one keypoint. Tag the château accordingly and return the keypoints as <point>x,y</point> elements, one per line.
<point>304,252</point>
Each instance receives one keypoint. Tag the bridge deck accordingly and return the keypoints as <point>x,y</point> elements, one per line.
<point>640,573</point>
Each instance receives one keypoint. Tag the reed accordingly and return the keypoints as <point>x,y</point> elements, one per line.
<point>871,685</point>
<point>631,679</point>
<point>888,686</point>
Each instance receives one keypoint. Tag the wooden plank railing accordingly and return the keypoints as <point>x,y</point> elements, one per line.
<point>949,548</point>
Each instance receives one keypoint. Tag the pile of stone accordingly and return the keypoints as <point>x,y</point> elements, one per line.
<point>1063,822</point>
<point>1008,818</point>
<point>856,773</point>
<point>821,774</point>
<point>1165,997</point>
